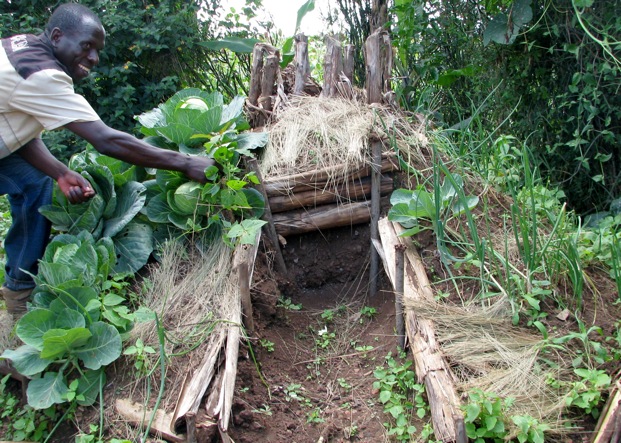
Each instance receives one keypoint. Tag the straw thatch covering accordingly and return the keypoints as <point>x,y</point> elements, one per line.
<point>317,133</point>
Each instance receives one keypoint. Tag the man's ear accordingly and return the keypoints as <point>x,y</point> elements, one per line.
<point>55,35</point>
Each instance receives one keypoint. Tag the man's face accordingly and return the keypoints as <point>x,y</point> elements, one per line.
<point>79,50</point>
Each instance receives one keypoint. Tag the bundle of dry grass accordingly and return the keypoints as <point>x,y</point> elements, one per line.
<point>8,339</point>
<point>317,133</point>
<point>488,353</point>
<point>194,303</point>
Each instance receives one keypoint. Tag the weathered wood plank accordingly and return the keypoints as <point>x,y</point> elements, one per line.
<point>431,369</point>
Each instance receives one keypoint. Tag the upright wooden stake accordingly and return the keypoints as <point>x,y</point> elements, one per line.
<point>265,59</point>
<point>332,67</point>
<point>246,302</point>
<point>376,179</point>
<point>302,68</point>
<point>377,52</point>
<point>266,101</point>
<point>399,285</point>
<point>348,62</point>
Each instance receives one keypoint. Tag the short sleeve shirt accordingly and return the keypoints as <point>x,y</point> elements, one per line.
<point>36,93</point>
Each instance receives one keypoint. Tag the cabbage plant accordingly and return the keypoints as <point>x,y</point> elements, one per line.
<point>111,213</point>
<point>75,327</point>
<point>199,123</point>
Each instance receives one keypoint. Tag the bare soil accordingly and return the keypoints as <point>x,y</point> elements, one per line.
<point>324,350</point>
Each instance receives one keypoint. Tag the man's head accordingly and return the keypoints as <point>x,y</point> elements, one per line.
<point>77,36</point>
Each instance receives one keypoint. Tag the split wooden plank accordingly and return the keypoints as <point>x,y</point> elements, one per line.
<point>608,429</point>
<point>301,221</point>
<point>431,368</point>
<point>345,192</point>
<point>196,386</point>
<point>245,256</point>
<point>137,415</point>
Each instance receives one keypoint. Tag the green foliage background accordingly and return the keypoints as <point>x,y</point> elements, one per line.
<point>555,87</point>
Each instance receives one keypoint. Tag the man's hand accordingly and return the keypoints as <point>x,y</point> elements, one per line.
<point>75,187</point>
<point>195,169</point>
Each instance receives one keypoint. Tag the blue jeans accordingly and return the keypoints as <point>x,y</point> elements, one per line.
<point>27,189</point>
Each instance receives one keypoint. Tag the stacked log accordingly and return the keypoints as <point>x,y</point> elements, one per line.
<point>324,198</point>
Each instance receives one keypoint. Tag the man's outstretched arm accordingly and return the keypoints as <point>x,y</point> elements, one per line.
<point>130,149</point>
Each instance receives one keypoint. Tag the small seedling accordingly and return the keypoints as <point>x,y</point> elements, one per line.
<point>324,338</point>
<point>140,352</point>
<point>267,345</point>
<point>328,315</point>
<point>287,304</point>
<point>344,384</point>
<point>368,312</point>
<point>314,416</point>
<point>351,432</point>
<point>264,409</point>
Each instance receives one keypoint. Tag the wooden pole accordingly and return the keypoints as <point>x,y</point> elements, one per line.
<point>377,52</point>
<point>246,302</point>
<point>318,178</point>
<point>266,100</point>
<point>431,367</point>
<point>265,59</point>
<point>376,178</point>
<point>348,62</point>
<point>399,285</point>
<point>256,74</point>
<point>314,197</point>
<point>325,217</point>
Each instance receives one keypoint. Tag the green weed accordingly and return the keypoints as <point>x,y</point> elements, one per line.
<point>287,304</point>
<point>267,345</point>
<point>396,384</point>
<point>23,423</point>
<point>140,353</point>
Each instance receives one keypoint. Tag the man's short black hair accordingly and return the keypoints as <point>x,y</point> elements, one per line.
<point>70,16</point>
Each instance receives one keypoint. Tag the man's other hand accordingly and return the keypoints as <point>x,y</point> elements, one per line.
<point>75,187</point>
